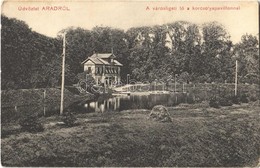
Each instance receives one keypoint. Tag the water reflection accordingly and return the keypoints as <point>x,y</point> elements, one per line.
<point>113,104</point>
<point>124,102</point>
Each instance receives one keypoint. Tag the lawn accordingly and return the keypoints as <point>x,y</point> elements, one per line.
<point>197,136</point>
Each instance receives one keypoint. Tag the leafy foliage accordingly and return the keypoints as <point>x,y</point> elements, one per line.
<point>235,99</point>
<point>193,53</point>
<point>29,59</point>
<point>244,98</point>
<point>69,119</point>
<point>214,103</point>
<point>86,81</point>
<point>247,52</point>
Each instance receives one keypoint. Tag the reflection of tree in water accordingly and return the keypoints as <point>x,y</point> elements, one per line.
<point>111,104</point>
<point>137,102</point>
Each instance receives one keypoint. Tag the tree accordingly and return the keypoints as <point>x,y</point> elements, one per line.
<point>248,56</point>
<point>216,51</point>
<point>78,48</point>
<point>196,53</point>
<point>25,54</point>
<point>85,81</point>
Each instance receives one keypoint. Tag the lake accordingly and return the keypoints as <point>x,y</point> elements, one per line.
<point>128,102</point>
<point>113,104</point>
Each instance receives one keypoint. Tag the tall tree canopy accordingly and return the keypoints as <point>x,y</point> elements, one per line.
<point>247,52</point>
<point>193,53</point>
<point>28,58</point>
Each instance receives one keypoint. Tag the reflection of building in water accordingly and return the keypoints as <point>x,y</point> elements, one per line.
<point>111,104</point>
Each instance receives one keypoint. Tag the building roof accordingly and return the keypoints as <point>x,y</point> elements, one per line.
<point>104,55</point>
<point>100,59</point>
<point>117,63</point>
<point>95,60</point>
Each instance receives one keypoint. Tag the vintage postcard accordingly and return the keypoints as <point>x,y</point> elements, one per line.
<point>131,83</point>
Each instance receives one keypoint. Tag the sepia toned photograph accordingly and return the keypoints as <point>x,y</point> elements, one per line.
<point>132,83</point>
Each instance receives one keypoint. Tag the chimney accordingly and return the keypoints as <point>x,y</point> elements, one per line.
<point>94,52</point>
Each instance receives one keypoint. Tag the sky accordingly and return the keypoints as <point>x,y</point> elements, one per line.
<point>126,14</point>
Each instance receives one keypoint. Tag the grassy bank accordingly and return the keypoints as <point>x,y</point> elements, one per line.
<point>198,136</point>
<point>16,104</point>
<point>23,97</point>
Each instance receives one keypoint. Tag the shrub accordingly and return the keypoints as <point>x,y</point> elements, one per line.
<point>31,124</point>
<point>225,102</point>
<point>69,119</point>
<point>252,98</point>
<point>213,102</point>
<point>235,99</point>
<point>244,98</point>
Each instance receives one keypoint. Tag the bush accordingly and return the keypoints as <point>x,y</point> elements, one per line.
<point>225,102</point>
<point>252,98</point>
<point>235,99</point>
<point>244,98</point>
<point>69,119</point>
<point>213,102</point>
<point>31,124</point>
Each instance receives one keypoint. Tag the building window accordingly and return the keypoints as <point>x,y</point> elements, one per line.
<point>98,70</point>
<point>89,69</point>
